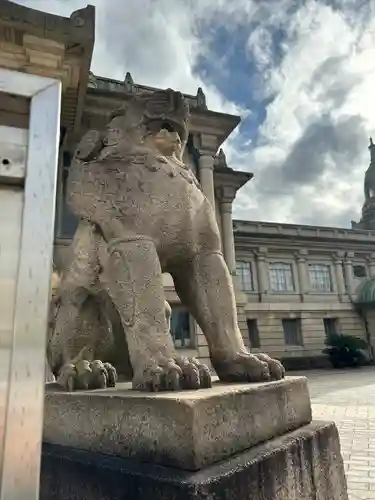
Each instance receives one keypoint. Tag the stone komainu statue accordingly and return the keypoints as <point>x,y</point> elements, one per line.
<point>142,213</point>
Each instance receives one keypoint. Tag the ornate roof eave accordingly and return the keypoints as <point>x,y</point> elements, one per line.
<point>214,122</point>
<point>230,177</point>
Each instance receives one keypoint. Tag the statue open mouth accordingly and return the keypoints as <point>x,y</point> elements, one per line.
<point>167,110</point>
<point>170,125</point>
<point>167,126</point>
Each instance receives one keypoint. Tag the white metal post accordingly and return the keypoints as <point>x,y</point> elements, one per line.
<point>27,212</point>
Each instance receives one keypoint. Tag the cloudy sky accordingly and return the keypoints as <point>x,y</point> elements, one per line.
<point>301,73</point>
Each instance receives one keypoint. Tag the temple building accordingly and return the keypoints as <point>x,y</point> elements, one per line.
<point>294,284</point>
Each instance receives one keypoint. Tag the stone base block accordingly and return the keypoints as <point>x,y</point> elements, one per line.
<point>187,430</point>
<point>302,465</point>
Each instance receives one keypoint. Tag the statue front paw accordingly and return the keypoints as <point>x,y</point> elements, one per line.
<point>175,374</point>
<point>86,375</point>
<point>247,367</point>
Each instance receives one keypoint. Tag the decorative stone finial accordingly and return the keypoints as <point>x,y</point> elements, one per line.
<point>78,18</point>
<point>201,99</point>
<point>129,78</point>
<point>92,80</point>
<point>221,159</point>
<point>128,82</point>
<point>372,150</point>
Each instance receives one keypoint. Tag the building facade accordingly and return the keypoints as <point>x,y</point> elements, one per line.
<point>301,283</point>
<point>294,284</point>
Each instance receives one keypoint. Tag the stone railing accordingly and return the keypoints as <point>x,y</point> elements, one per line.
<point>111,85</point>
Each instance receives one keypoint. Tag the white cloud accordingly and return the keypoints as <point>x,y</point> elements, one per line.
<point>155,41</point>
<point>303,95</point>
<point>319,79</point>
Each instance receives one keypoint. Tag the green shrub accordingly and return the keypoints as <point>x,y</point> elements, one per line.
<point>345,350</point>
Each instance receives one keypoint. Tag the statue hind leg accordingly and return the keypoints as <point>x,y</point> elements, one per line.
<point>205,287</point>
<point>80,331</point>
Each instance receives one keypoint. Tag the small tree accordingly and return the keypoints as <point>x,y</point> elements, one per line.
<point>345,350</point>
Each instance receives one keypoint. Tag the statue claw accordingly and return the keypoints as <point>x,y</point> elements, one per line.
<point>173,375</point>
<point>276,369</point>
<point>85,375</point>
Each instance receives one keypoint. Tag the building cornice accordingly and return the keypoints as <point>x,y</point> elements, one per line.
<point>248,243</point>
<point>302,232</point>
<point>58,47</point>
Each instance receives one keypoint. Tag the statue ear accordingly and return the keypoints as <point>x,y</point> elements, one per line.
<point>89,146</point>
<point>121,111</point>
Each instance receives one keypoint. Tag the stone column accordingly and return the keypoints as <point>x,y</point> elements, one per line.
<point>303,278</point>
<point>348,265</point>
<point>338,259</point>
<point>227,235</point>
<point>225,195</point>
<point>206,176</point>
<point>262,270</point>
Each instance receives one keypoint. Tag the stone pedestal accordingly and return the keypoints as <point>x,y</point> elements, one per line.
<point>305,464</point>
<point>188,430</point>
<point>205,444</point>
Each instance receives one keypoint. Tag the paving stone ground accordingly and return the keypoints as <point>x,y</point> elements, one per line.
<point>348,398</point>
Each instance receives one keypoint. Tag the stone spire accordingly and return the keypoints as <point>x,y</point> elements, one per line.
<point>201,99</point>
<point>128,82</point>
<point>92,80</point>
<point>372,151</point>
<point>368,210</point>
<point>220,160</point>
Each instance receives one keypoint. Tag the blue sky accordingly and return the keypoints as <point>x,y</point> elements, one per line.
<point>301,73</point>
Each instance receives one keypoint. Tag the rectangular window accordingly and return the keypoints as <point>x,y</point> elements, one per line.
<point>320,277</point>
<point>359,271</point>
<point>281,277</point>
<point>252,329</point>
<point>292,331</point>
<point>330,326</point>
<point>181,327</point>
<point>244,272</point>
